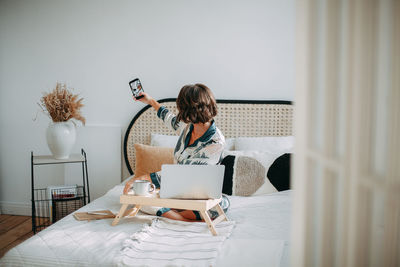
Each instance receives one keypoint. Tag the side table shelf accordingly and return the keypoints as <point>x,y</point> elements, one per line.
<point>54,202</point>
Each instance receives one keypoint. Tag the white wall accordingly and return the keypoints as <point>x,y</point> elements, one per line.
<point>240,49</point>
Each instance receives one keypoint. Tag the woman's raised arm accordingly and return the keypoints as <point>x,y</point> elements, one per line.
<point>147,99</point>
<point>163,113</point>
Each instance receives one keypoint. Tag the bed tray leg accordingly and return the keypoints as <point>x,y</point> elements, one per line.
<point>120,214</point>
<point>210,224</point>
<point>222,216</point>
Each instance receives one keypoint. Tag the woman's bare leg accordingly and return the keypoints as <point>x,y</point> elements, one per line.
<point>176,216</point>
<point>189,214</point>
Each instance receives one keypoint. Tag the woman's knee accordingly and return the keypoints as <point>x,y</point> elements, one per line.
<point>173,215</point>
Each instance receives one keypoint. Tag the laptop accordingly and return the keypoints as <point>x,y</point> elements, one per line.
<point>191,181</point>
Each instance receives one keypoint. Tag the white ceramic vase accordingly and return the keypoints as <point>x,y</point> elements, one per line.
<point>61,138</point>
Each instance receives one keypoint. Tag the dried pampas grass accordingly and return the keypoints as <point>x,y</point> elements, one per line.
<point>61,105</point>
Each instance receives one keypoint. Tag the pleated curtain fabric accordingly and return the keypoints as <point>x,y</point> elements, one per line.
<point>346,170</point>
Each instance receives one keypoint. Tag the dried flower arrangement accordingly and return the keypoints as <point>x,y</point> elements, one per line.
<point>61,105</point>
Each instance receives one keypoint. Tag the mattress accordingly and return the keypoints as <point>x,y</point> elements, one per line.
<point>69,242</point>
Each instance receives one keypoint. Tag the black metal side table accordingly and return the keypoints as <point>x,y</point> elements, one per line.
<point>52,203</point>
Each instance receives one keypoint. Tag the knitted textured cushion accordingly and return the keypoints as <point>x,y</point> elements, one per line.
<point>245,176</point>
<point>248,176</point>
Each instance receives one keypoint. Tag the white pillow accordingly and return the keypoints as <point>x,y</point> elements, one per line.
<point>272,144</point>
<point>171,140</point>
<point>229,144</point>
<point>164,140</point>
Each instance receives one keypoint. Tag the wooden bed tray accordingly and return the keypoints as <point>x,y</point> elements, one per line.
<point>200,205</point>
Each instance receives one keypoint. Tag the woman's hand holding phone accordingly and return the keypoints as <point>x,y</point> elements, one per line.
<point>139,94</point>
<point>147,99</point>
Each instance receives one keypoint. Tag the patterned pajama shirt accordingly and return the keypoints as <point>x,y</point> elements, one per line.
<point>205,150</point>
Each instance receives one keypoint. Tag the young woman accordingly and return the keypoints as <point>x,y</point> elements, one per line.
<point>200,141</point>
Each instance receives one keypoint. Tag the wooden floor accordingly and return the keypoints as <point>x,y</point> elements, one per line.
<point>14,230</point>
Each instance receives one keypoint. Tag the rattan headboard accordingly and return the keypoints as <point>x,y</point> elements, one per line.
<point>235,118</point>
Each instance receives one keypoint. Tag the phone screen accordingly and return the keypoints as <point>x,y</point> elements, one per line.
<point>136,88</point>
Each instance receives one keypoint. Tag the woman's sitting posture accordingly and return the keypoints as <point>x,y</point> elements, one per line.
<point>200,141</point>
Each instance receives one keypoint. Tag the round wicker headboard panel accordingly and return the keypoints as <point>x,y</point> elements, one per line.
<point>235,118</point>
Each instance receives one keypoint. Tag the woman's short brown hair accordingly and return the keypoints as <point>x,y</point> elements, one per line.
<point>196,103</point>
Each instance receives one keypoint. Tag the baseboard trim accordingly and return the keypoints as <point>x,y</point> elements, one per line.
<point>16,208</point>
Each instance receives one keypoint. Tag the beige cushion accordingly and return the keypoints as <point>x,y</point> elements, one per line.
<point>150,158</point>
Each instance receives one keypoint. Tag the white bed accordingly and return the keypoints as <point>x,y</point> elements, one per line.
<point>259,221</point>
<point>261,233</point>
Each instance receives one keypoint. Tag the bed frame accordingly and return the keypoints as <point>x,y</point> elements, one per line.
<point>235,118</point>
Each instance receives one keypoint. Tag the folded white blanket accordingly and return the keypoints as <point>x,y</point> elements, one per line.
<point>174,243</point>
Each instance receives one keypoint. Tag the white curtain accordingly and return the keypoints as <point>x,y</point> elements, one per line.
<point>346,176</point>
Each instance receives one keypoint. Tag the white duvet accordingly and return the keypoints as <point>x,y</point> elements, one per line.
<point>262,226</point>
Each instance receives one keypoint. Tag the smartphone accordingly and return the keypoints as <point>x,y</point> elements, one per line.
<point>136,88</point>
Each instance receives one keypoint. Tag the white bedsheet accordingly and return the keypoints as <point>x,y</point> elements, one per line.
<point>261,222</point>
